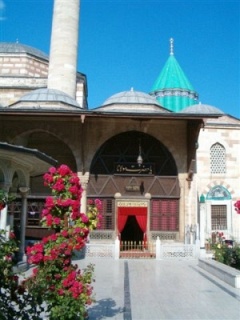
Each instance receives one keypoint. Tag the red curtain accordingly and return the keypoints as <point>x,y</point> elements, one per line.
<point>121,222</point>
<point>139,212</point>
<point>142,222</point>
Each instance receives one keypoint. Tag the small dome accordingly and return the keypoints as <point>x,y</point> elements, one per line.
<point>15,47</point>
<point>133,97</point>
<point>45,95</point>
<point>131,102</point>
<point>46,99</point>
<point>202,109</point>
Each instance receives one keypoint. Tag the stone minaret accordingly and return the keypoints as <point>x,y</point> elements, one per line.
<point>64,46</point>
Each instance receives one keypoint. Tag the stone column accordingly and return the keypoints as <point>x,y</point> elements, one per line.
<point>3,218</point>
<point>84,178</point>
<point>24,192</point>
<point>202,222</point>
<point>158,249</point>
<point>117,249</point>
<point>4,221</point>
<point>64,46</point>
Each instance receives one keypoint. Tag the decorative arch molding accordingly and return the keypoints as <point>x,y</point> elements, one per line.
<point>218,193</point>
<point>210,141</point>
<point>51,131</point>
<point>9,173</point>
<point>169,145</point>
<point>6,172</point>
<point>21,137</point>
<point>216,183</point>
<point>175,155</point>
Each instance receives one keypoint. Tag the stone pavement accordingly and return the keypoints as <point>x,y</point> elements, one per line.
<point>159,290</point>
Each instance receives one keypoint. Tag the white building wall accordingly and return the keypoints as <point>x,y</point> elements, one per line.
<point>227,133</point>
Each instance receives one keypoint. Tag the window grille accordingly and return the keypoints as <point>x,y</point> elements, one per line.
<point>164,215</point>
<point>34,211</point>
<point>124,149</point>
<point>15,208</point>
<point>218,158</point>
<point>34,214</point>
<point>219,217</point>
<point>107,213</point>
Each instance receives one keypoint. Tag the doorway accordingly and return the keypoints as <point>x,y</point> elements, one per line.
<point>132,230</point>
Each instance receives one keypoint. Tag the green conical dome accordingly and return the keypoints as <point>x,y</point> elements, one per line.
<point>172,88</point>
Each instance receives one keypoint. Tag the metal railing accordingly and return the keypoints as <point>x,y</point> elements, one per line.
<point>137,249</point>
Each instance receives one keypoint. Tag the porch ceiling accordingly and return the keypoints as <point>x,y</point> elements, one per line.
<point>34,161</point>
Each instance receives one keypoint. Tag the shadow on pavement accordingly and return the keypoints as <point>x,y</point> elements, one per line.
<point>103,309</point>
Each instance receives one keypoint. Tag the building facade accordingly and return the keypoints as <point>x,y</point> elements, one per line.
<point>162,164</point>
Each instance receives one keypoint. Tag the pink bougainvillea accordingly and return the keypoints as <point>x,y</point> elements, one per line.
<point>64,288</point>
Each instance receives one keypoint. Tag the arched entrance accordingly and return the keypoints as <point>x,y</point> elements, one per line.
<point>132,222</point>
<point>115,171</point>
<point>55,148</point>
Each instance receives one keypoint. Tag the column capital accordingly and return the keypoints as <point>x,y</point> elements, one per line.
<point>24,191</point>
<point>84,179</point>
<point>5,186</point>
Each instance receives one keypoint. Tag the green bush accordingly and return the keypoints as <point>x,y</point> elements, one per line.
<point>224,251</point>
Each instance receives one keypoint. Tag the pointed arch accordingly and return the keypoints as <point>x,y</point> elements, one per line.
<point>124,148</point>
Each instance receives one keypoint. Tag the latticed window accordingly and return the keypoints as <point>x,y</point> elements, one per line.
<point>124,149</point>
<point>219,217</point>
<point>218,158</point>
<point>107,213</point>
<point>164,215</point>
<point>34,211</point>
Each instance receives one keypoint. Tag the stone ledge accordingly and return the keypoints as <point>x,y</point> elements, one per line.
<point>225,273</point>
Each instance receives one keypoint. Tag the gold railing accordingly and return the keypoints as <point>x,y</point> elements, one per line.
<point>137,249</point>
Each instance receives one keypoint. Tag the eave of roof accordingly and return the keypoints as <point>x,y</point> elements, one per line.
<point>95,113</point>
<point>34,152</point>
<point>33,160</point>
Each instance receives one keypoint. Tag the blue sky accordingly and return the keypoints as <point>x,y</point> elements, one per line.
<point>124,44</point>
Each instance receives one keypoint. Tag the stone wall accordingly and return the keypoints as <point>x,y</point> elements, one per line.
<point>227,133</point>
<point>22,65</point>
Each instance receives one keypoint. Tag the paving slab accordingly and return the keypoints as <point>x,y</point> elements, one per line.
<point>145,289</point>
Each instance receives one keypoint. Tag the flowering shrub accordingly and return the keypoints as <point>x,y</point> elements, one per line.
<point>15,302</point>
<point>217,245</point>
<point>8,280</point>
<point>225,251</point>
<point>4,199</point>
<point>93,216</point>
<point>237,206</point>
<point>55,280</point>
<point>8,248</point>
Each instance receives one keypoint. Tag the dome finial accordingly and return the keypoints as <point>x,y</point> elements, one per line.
<point>171,47</point>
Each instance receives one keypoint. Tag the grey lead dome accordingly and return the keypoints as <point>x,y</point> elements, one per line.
<point>202,109</point>
<point>15,47</point>
<point>133,97</point>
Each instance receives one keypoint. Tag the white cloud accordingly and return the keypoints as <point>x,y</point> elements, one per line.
<point>2,10</point>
